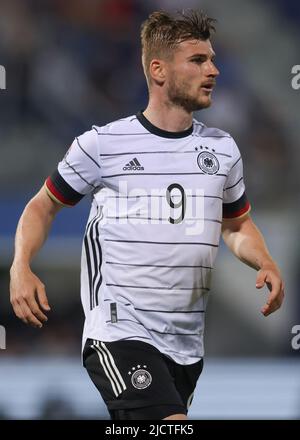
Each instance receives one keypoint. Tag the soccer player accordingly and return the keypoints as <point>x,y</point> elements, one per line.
<point>164,187</point>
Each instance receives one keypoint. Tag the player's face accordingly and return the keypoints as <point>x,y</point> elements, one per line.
<point>191,75</point>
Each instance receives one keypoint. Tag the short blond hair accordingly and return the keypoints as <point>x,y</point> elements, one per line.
<point>162,32</point>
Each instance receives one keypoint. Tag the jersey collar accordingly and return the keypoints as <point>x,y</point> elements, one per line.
<point>163,133</point>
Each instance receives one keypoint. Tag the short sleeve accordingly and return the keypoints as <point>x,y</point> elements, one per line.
<point>235,201</point>
<point>79,172</point>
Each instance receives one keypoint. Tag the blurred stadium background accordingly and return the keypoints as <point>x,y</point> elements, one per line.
<point>73,63</point>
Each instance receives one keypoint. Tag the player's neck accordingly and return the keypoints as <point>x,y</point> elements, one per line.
<point>168,118</point>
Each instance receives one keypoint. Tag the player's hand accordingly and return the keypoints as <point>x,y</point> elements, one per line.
<point>28,296</point>
<point>272,278</point>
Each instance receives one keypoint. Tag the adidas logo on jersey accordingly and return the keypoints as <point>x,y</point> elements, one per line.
<point>133,165</point>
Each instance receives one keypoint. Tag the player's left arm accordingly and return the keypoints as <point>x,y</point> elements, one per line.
<point>244,239</point>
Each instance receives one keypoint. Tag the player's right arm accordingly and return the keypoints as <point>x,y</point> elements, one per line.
<point>27,292</point>
<point>77,174</point>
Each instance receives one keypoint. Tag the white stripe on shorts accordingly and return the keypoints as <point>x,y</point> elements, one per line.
<point>103,362</point>
<point>110,368</point>
<point>117,372</point>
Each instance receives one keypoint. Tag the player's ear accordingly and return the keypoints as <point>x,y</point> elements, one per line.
<point>157,71</point>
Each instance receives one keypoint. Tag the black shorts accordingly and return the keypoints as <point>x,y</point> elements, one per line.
<point>137,382</point>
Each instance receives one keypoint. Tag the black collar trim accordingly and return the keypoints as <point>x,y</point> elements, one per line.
<point>163,133</point>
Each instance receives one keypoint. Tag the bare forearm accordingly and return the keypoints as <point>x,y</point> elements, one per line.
<point>31,233</point>
<point>27,292</point>
<point>249,246</point>
<point>245,240</point>
<point>33,229</point>
<point>253,252</point>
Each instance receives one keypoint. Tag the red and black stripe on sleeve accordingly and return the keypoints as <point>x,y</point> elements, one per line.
<point>236,209</point>
<point>60,191</point>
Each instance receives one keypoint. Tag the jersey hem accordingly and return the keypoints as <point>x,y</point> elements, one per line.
<point>141,340</point>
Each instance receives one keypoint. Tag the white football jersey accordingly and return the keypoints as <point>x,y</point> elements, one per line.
<point>158,200</point>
